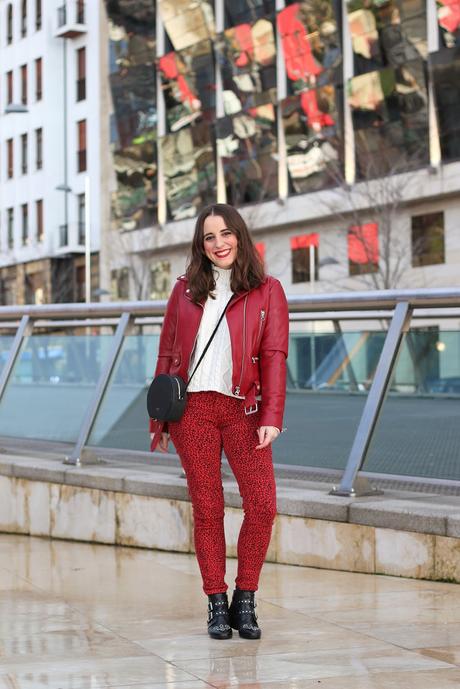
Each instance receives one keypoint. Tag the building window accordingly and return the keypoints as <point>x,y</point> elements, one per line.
<point>38,14</point>
<point>34,288</point>
<point>363,249</point>
<point>81,74</point>
<point>24,153</point>
<point>38,79</point>
<point>9,158</point>
<point>23,18</point>
<point>9,24</point>
<point>428,239</point>
<point>24,84</point>
<point>8,290</point>
<point>39,219</point>
<point>9,87</point>
<point>39,148</point>
<point>10,227</point>
<point>304,248</point>
<point>81,201</point>
<point>160,280</point>
<point>80,11</point>
<point>119,279</point>
<point>25,223</point>
<point>81,153</point>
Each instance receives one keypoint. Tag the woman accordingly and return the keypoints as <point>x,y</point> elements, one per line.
<point>235,402</point>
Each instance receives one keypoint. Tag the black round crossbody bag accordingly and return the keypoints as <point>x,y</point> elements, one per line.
<point>167,395</point>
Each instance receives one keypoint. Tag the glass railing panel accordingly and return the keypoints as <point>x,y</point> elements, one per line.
<point>419,429</point>
<point>122,421</point>
<point>51,386</point>
<point>5,346</point>
<point>329,376</point>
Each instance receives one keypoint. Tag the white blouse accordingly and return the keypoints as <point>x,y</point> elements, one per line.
<point>215,371</point>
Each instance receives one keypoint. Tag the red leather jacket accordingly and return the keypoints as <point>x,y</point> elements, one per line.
<point>258,322</point>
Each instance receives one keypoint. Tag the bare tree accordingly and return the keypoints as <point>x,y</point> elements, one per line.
<point>377,198</point>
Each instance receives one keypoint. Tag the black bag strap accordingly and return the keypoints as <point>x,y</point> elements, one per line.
<point>209,342</point>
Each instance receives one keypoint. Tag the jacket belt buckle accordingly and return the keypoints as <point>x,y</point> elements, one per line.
<point>251,409</point>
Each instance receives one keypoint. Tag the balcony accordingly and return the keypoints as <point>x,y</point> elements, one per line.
<point>71,19</point>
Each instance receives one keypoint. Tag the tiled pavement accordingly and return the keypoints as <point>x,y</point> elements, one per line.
<point>83,616</point>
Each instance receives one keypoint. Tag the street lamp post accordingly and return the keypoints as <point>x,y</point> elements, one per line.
<point>68,190</point>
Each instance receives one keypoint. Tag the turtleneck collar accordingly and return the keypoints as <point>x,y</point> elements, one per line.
<point>222,277</point>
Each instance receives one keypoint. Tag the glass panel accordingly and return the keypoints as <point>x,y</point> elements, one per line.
<point>133,131</point>
<point>187,23</point>
<point>247,54</point>
<point>189,85</point>
<point>189,170</point>
<point>122,421</point>
<point>449,22</point>
<point>311,40</point>
<point>329,375</point>
<point>390,118</point>
<point>51,386</point>
<point>247,144</point>
<point>387,32</point>
<point>313,139</point>
<point>419,430</point>
<point>5,345</point>
<point>446,77</point>
<point>247,11</point>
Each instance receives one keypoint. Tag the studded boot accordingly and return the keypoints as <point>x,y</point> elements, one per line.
<point>243,614</point>
<point>218,620</point>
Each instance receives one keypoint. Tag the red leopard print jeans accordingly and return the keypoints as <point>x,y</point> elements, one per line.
<point>212,421</point>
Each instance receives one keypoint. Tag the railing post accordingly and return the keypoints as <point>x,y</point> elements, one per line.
<point>76,457</point>
<point>24,329</point>
<point>351,484</point>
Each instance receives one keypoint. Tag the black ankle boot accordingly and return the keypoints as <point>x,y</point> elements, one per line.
<point>243,614</point>
<point>218,620</point>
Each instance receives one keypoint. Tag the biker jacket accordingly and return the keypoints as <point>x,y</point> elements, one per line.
<point>258,323</point>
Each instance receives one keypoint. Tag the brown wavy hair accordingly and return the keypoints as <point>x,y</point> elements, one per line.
<point>247,270</point>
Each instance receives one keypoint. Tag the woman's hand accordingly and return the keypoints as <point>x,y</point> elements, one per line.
<point>267,435</point>
<point>164,441</point>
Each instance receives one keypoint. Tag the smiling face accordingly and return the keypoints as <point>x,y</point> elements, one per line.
<point>219,242</point>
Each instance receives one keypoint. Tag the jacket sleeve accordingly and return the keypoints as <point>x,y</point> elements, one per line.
<point>167,336</point>
<point>273,353</point>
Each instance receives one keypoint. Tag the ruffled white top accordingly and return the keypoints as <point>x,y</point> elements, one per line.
<point>215,371</point>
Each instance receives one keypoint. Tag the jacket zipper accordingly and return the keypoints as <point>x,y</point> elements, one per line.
<point>261,325</point>
<point>238,387</point>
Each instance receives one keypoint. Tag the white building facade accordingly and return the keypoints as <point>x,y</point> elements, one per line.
<point>50,162</point>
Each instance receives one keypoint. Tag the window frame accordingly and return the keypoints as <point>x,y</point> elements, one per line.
<point>420,258</point>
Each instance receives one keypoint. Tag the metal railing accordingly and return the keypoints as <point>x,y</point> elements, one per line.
<point>397,308</point>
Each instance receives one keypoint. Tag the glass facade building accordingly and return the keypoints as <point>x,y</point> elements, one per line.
<point>250,100</point>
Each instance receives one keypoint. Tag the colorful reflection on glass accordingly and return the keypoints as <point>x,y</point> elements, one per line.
<point>387,33</point>
<point>247,11</point>
<point>133,131</point>
<point>189,169</point>
<point>247,55</point>
<point>310,35</point>
<point>188,78</point>
<point>187,23</point>
<point>313,139</point>
<point>449,22</point>
<point>247,144</point>
<point>390,119</point>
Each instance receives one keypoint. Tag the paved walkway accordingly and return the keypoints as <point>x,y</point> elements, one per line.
<point>80,616</point>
